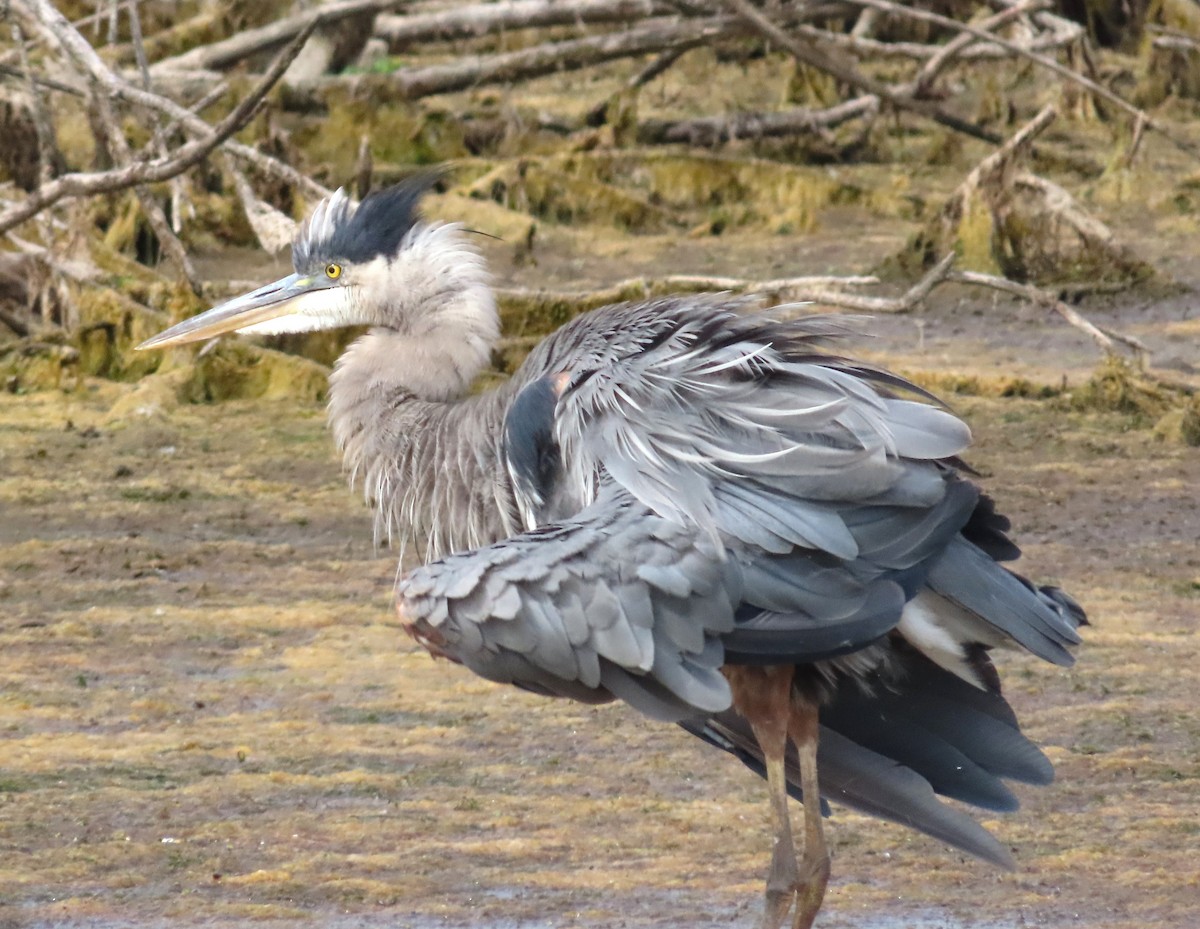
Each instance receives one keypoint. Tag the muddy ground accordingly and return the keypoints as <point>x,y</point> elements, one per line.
<point>209,717</point>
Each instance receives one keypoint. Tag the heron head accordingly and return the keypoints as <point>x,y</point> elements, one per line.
<point>372,263</point>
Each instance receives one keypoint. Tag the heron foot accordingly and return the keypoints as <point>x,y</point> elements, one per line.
<point>810,890</point>
<point>799,881</point>
<point>783,880</point>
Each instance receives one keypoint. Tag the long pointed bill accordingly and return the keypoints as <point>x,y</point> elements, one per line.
<point>267,303</point>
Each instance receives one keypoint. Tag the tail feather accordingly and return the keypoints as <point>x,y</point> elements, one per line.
<point>1044,624</point>
<point>879,786</point>
<point>947,769</point>
<point>891,750</point>
<point>979,723</point>
<point>863,780</point>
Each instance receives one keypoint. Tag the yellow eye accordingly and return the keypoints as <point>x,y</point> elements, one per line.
<point>333,271</point>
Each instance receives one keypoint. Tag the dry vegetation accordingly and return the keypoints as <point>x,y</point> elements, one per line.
<point>209,718</point>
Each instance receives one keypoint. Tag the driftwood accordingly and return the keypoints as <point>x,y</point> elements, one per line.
<point>41,16</point>
<point>905,303</point>
<point>786,287</point>
<point>807,53</point>
<point>1056,33</point>
<point>1043,61</point>
<point>715,130</point>
<point>1105,338</point>
<point>669,35</point>
<point>1024,225</point>
<point>274,230</point>
<point>647,37</point>
<point>999,161</point>
<point>479,19</point>
<point>961,45</point>
<point>237,48</point>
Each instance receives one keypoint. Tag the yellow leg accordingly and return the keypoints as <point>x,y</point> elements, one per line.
<point>813,868</point>
<point>763,696</point>
<point>783,876</point>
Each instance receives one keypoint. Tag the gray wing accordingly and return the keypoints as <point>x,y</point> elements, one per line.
<point>827,489</point>
<point>618,602</point>
<point>742,428</point>
<point>622,602</point>
<point>739,426</point>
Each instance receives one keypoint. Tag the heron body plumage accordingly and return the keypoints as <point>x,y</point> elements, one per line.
<point>688,506</point>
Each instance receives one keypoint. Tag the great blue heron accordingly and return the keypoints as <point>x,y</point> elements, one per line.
<point>688,506</point>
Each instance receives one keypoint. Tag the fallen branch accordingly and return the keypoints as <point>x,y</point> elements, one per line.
<point>223,54</point>
<point>179,34</point>
<point>1044,61</point>
<point>1004,155</point>
<point>989,180</point>
<point>1023,225</point>
<point>40,80</point>
<point>845,72</point>
<point>714,130</point>
<point>119,151</point>
<point>273,229</point>
<point>1060,33</point>
<point>957,46</point>
<point>905,303</point>
<point>552,57</point>
<point>479,19</point>
<point>1106,339</point>
<point>48,156</point>
<point>793,289</point>
<point>51,23</point>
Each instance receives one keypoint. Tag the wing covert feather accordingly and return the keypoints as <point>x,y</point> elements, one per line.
<point>580,618</point>
<point>740,425</point>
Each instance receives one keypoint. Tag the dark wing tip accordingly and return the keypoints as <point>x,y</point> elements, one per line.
<point>1068,607</point>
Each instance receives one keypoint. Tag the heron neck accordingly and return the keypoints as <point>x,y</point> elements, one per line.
<point>429,457</point>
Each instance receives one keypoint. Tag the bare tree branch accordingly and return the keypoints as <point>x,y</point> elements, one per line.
<point>1004,154</point>
<point>1057,33</point>
<point>41,80</point>
<point>46,19</point>
<point>222,54</point>
<point>791,288</point>
<point>1044,61</point>
<point>46,148</point>
<point>1106,341</point>
<point>477,19</point>
<point>649,36</point>
<point>121,155</point>
<point>713,130</point>
<point>956,46</point>
<point>905,303</point>
<point>844,71</point>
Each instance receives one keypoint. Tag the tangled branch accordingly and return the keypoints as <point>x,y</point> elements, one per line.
<point>44,18</point>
